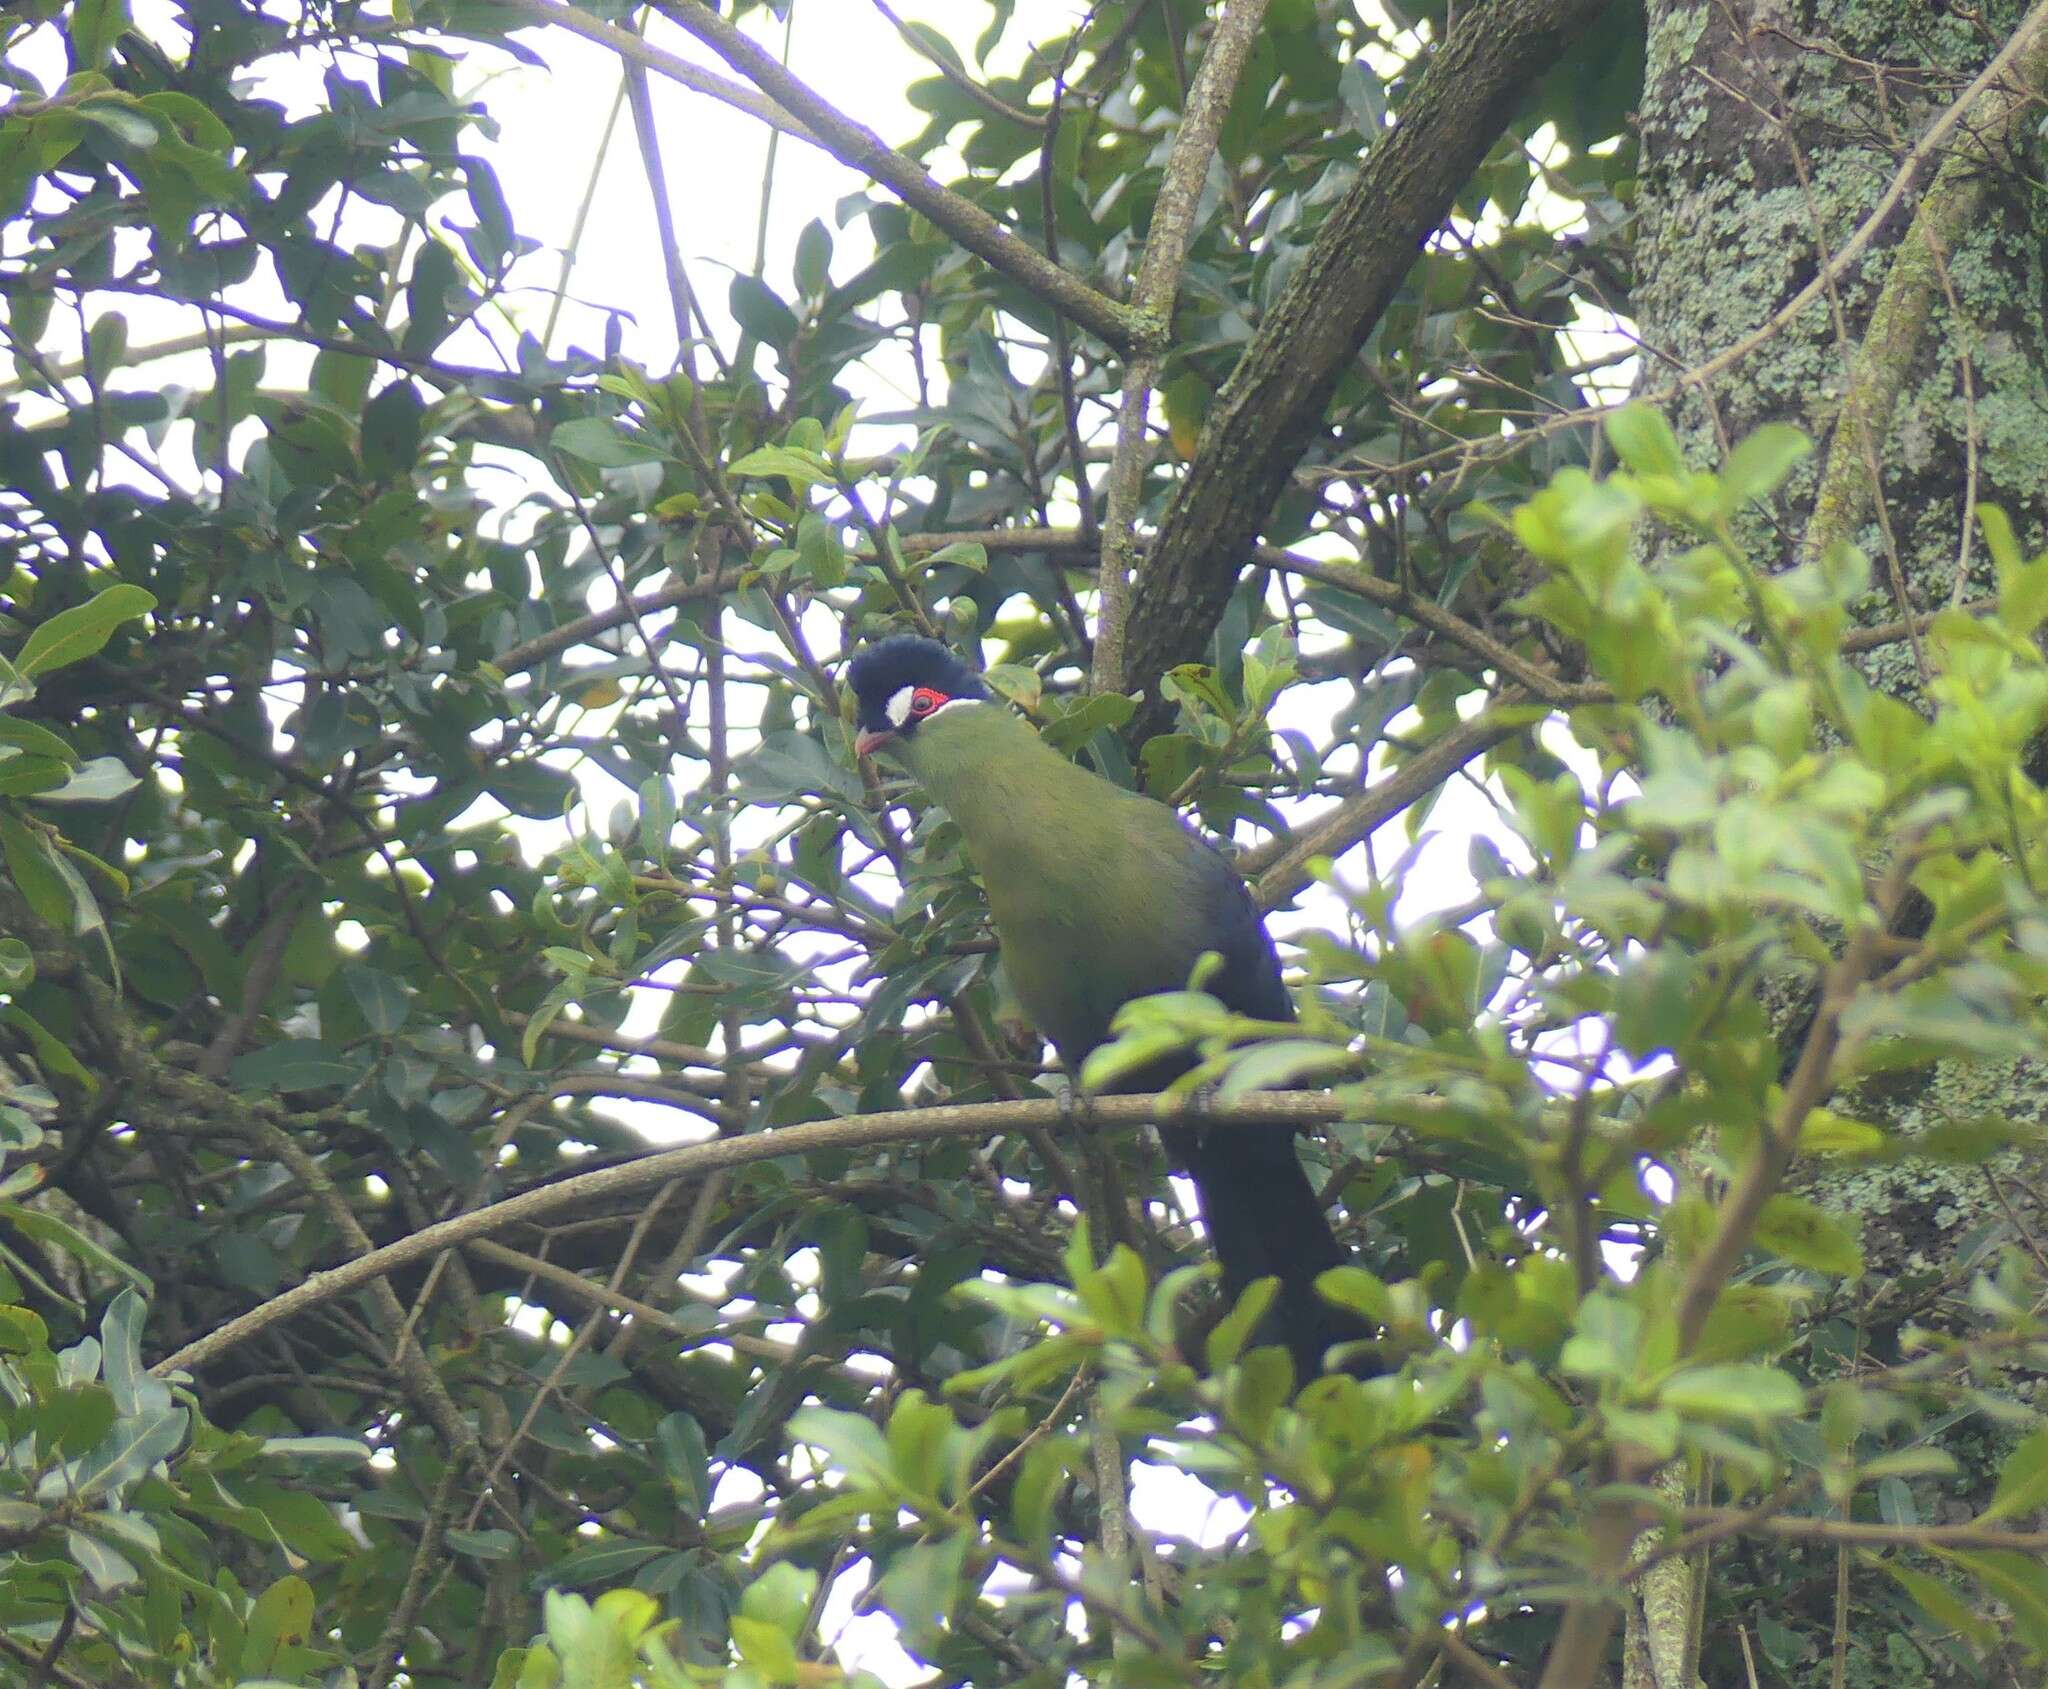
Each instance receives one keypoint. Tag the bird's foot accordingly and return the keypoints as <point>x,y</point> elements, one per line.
<point>1075,1112</point>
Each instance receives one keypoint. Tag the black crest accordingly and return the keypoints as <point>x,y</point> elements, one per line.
<point>881,671</point>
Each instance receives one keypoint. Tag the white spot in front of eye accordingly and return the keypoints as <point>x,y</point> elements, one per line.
<point>898,707</point>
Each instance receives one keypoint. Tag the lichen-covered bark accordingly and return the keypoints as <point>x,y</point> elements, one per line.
<point>1761,146</point>
<point>1768,135</point>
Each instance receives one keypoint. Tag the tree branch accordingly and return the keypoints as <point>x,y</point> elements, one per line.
<point>858,1131</point>
<point>1171,231</point>
<point>635,50</point>
<point>1898,322</point>
<point>1278,876</point>
<point>861,149</point>
<point>1274,400</point>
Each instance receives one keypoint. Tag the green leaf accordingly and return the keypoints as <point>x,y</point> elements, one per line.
<point>602,441</point>
<point>301,1521</point>
<point>800,468</point>
<point>1733,1391</point>
<point>547,1012</point>
<point>1758,465</point>
<point>282,1618</point>
<point>813,259</point>
<point>1074,727</point>
<point>193,118</point>
<point>1948,1610</point>
<point>121,118</point>
<point>427,293</point>
<point>781,1596</point>
<point>531,788</point>
<point>1605,1343</point>
<point>765,1648</point>
<point>318,1448</point>
<point>54,1232</point>
<point>55,1055</point>
<point>788,765</point>
<point>2023,1479</point>
<point>99,781</point>
<point>757,310</point>
<point>94,28</point>
<point>1808,1236</point>
<point>293,1064</point>
<point>108,1568</point>
<point>923,1584</point>
<point>603,1562</point>
<point>2019,1582</point>
<point>1228,1336</point>
<point>382,999</point>
<point>856,1444</point>
<point>1643,440</point>
<point>72,635</point>
<point>1278,1064</point>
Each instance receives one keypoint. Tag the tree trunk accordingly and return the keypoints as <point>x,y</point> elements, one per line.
<point>1769,138</point>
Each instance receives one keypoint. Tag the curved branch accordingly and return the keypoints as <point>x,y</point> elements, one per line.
<point>859,1131</point>
<point>636,50</point>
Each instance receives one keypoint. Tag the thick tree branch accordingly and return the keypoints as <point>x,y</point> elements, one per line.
<point>1273,403</point>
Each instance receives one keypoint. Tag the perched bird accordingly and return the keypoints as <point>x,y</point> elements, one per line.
<point>1101,895</point>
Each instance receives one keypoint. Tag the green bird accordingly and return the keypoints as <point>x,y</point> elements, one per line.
<point>1100,895</point>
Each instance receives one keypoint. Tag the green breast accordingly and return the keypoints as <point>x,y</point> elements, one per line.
<point>1095,891</point>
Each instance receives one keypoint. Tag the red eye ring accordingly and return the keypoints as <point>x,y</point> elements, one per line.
<point>924,700</point>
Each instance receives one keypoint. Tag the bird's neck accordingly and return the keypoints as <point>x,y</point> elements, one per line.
<point>1005,787</point>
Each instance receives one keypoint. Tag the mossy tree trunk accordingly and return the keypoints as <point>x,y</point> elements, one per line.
<point>1770,136</point>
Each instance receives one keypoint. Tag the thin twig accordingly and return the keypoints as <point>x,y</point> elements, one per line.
<point>861,149</point>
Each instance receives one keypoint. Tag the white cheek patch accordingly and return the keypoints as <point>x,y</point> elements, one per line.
<point>897,709</point>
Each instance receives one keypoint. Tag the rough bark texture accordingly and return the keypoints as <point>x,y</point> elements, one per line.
<point>1768,133</point>
<point>1273,403</point>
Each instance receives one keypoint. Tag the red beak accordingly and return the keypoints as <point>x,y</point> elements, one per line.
<point>867,743</point>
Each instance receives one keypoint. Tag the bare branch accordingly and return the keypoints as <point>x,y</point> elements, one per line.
<point>858,1131</point>
<point>634,50</point>
<point>1279,877</point>
<point>1166,252</point>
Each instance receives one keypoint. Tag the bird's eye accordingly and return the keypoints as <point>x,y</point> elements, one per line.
<point>924,700</point>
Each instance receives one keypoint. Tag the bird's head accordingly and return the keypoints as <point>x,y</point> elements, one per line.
<point>902,683</point>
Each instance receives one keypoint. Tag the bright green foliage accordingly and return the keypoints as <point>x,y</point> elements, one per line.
<point>1782,815</point>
